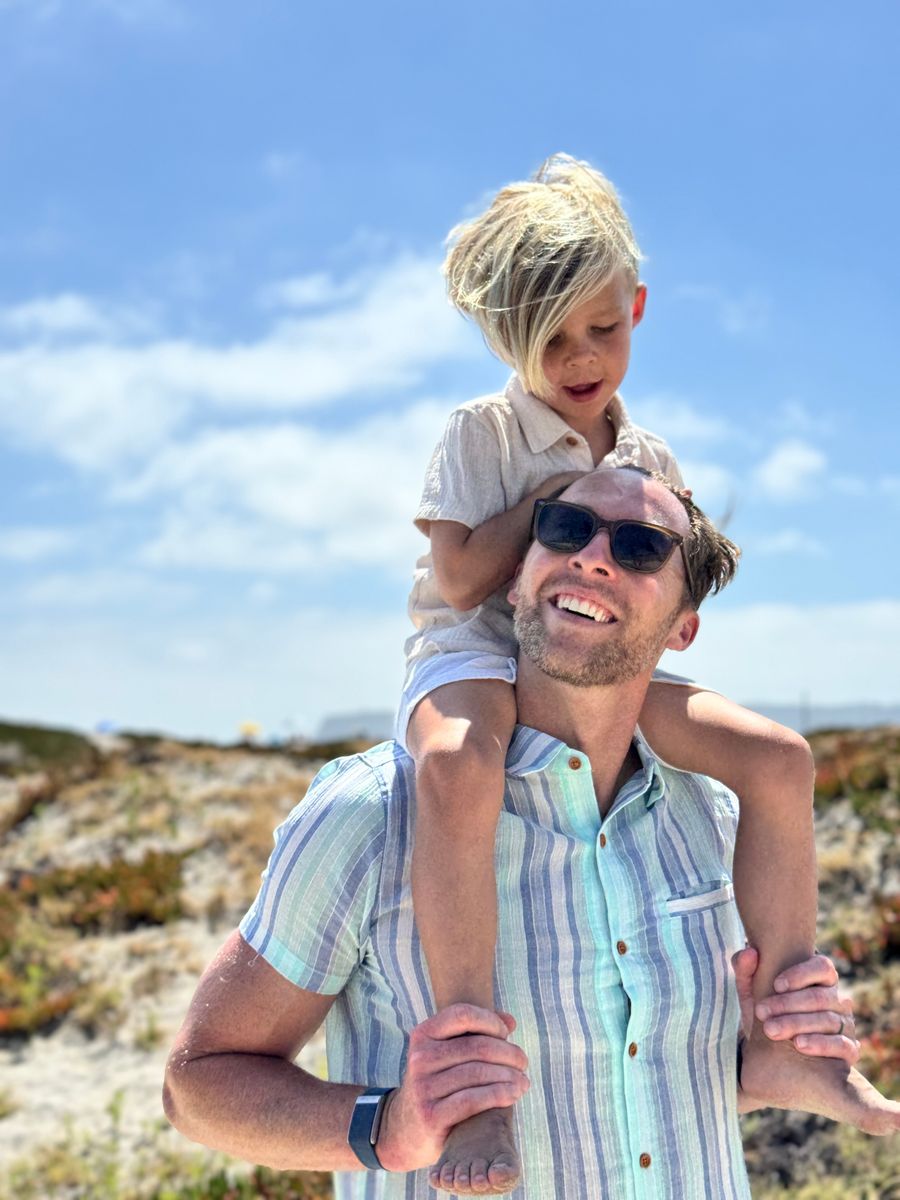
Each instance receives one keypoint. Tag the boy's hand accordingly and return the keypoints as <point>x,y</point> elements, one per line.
<point>554,482</point>
<point>460,1062</point>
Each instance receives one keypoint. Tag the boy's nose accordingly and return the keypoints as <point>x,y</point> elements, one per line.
<point>580,351</point>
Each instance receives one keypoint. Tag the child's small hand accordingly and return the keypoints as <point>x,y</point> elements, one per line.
<point>556,482</point>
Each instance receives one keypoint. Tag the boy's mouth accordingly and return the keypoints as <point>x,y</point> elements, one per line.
<point>583,391</point>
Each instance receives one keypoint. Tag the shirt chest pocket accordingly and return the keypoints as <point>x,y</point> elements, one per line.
<point>705,896</point>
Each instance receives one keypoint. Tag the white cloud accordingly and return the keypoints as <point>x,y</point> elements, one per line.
<point>31,543</point>
<point>308,291</point>
<point>679,421</point>
<point>833,653</point>
<point>110,588</point>
<point>737,315</point>
<point>68,315</point>
<point>791,471</point>
<point>102,405</point>
<point>289,497</point>
<point>790,541</point>
<point>713,487</point>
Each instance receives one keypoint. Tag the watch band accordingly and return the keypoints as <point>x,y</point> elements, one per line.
<point>363,1132</point>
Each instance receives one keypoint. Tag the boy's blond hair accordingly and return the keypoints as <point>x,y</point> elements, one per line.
<point>541,249</point>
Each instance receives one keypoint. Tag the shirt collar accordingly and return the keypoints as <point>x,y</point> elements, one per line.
<point>531,750</point>
<point>543,427</point>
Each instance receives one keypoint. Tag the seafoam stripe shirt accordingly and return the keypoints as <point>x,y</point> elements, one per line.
<point>613,954</point>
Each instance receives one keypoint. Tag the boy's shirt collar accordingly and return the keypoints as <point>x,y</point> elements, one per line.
<point>543,427</point>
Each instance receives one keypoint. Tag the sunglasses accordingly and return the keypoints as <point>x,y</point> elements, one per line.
<point>635,545</point>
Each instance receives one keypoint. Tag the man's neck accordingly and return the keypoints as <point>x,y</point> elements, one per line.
<point>599,721</point>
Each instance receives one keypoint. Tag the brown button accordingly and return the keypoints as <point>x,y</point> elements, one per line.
<point>645,1160</point>
<point>575,763</point>
<point>571,441</point>
<point>602,840</point>
<point>632,1049</point>
<point>621,947</point>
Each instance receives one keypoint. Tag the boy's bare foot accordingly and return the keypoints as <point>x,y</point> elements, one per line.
<point>480,1156</point>
<point>776,1074</point>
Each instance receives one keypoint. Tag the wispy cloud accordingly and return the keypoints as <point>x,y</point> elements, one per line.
<point>790,541</point>
<point>791,471</point>
<point>736,314</point>
<point>33,543</point>
<point>102,404</point>
<point>679,420</point>
<point>69,315</point>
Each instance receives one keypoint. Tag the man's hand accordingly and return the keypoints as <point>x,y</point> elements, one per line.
<point>810,1011</point>
<point>460,1062</point>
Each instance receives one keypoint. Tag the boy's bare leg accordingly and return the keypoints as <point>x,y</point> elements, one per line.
<point>459,736</point>
<point>771,770</point>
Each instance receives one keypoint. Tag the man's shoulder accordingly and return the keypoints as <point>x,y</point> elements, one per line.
<point>366,781</point>
<point>691,786</point>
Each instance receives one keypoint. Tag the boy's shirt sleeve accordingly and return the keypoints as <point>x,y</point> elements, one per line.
<point>463,481</point>
<point>311,916</point>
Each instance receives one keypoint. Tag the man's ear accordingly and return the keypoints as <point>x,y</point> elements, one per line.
<point>683,631</point>
<point>513,594</point>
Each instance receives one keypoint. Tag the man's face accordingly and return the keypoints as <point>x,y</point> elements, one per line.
<point>587,357</point>
<point>633,617</point>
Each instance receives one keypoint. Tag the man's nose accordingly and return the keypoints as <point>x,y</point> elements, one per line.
<point>596,556</point>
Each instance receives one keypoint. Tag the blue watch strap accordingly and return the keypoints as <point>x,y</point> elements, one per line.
<point>364,1123</point>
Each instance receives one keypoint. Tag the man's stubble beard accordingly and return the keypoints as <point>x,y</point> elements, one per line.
<point>607,663</point>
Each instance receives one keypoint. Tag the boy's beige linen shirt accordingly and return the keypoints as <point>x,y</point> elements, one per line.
<point>494,451</point>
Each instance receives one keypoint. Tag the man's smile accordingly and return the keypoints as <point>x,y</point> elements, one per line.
<point>582,607</point>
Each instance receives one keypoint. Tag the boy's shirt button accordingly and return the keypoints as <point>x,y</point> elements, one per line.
<point>571,441</point>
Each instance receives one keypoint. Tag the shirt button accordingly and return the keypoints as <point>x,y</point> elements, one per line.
<point>621,947</point>
<point>575,763</point>
<point>632,1049</point>
<point>645,1160</point>
<point>571,441</point>
<point>602,840</point>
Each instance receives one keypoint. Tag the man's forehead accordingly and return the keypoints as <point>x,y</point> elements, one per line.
<point>616,493</point>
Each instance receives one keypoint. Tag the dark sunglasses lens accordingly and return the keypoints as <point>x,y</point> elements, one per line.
<point>640,548</point>
<point>564,529</point>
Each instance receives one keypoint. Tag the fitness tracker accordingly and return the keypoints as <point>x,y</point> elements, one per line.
<point>364,1125</point>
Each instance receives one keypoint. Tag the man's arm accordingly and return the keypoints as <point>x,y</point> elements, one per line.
<point>231,1082</point>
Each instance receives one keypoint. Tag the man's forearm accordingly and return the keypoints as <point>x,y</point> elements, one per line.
<point>264,1110</point>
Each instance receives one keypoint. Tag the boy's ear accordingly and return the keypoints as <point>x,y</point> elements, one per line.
<point>640,301</point>
<point>513,594</point>
<point>683,631</point>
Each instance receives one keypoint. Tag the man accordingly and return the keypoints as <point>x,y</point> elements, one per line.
<point>617,923</point>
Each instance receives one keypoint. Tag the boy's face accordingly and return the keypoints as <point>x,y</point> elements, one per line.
<point>586,359</point>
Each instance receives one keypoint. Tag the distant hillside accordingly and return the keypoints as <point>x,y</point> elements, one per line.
<point>123,865</point>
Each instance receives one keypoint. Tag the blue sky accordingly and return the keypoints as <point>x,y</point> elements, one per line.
<point>225,354</point>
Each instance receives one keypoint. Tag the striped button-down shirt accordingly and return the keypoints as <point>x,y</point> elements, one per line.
<point>613,954</point>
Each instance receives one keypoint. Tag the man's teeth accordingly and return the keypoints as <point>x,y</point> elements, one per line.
<point>585,608</point>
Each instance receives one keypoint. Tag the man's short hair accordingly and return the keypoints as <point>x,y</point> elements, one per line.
<point>542,248</point>
<point>713,558</point>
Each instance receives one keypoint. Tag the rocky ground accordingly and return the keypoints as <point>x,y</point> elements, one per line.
<point>124,865</point>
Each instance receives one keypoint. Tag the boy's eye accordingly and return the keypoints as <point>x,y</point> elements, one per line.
<point>554,341</point>
<point>605,328</point>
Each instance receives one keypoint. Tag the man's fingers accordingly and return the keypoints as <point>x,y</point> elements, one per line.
<point>816,970</point>
<point>439,1054</point>
<point>473,1075</point>
<point>781,1028</point>
<point>826,1045</point>
<point>460,1105</point>
<point>457,1019</point>
<point>811,999</point>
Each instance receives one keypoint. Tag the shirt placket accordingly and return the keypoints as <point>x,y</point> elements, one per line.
<point>639,1148</point>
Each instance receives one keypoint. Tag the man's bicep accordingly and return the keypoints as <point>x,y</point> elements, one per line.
<point>243,1005</point>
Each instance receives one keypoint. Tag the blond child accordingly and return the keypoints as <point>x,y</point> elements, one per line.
<point>550,275</point>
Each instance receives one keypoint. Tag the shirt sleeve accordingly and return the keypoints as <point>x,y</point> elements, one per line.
<point>311,916</point>
<point>463,481</point>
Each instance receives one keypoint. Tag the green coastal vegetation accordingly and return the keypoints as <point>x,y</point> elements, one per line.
<point>121,865</point>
